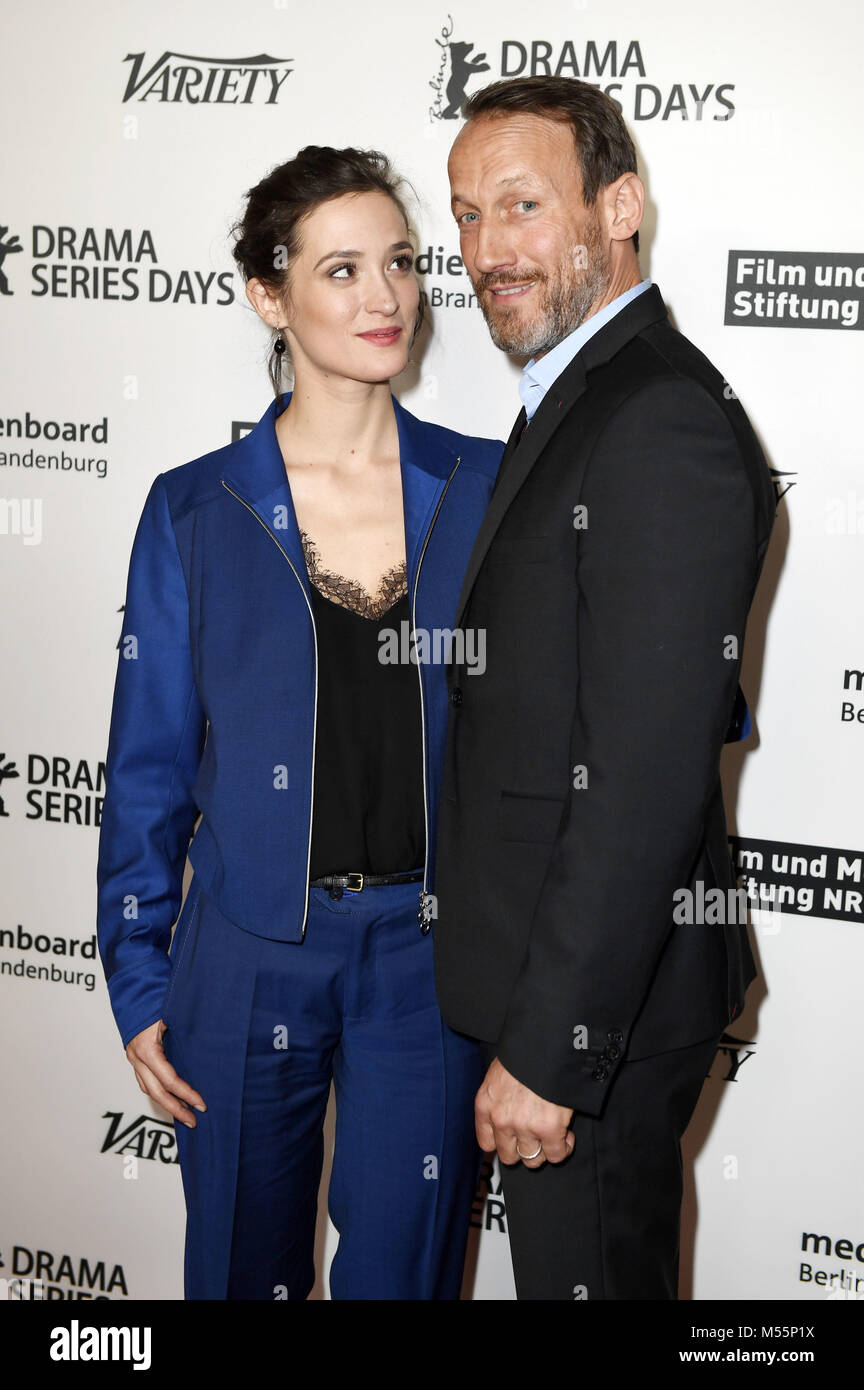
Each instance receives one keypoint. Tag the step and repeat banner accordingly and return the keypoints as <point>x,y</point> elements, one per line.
<point>132,133</point>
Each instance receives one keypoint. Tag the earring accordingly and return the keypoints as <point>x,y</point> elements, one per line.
<point>279,345</point>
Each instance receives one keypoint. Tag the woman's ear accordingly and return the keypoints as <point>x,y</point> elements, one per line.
<point>265,303</point>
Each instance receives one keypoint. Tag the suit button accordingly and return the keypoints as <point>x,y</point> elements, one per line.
<point>615,1035</point>
<point>456,696</point>
<point>599,1074</point>
<point>611,1052</point>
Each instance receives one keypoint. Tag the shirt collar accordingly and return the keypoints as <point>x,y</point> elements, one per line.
<point>537,377</point>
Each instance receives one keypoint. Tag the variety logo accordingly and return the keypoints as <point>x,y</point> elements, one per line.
<point>144,1137</point>
<point>781,486</point>
<point>200,81</point>
<point>730,1057</point>
<point>605,63</point>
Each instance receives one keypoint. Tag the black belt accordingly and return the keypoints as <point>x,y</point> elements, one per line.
<point>355,883</point>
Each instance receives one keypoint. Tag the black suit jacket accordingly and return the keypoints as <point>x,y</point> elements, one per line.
<point>581,785</point>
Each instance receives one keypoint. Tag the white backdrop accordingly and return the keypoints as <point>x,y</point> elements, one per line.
<point>747,127</point>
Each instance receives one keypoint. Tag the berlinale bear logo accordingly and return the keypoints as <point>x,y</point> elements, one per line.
<point>450,91</point>
<point>7,248</point>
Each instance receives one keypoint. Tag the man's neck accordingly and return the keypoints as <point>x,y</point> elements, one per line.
<point>625,278</point>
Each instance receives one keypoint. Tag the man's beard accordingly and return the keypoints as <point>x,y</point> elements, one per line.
<point>566,301</point>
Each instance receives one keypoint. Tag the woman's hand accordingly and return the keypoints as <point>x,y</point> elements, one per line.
<point>158,1079</point>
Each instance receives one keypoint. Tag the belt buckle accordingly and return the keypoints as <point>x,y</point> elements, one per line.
<point>357,885</point>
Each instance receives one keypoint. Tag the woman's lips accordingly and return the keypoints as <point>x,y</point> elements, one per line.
<point>383,336</point>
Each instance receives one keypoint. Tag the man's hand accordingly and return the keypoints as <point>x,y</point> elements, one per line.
<point>158,1079</point>
<point>507,1114</point>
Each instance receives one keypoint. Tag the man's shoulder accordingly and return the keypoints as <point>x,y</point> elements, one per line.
<point>658,357</point>
<point>659,366</point>
<point>672,354</point>
<point>661,387</point>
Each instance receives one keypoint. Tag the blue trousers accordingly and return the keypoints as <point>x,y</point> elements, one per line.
<point>260,1027</point>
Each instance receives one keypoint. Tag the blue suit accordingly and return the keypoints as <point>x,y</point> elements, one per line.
<point>214,711</point>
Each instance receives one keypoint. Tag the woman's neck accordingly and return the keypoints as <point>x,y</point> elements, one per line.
<point>336,421</point>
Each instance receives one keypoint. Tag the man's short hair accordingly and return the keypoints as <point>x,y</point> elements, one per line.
<point>604,149</point>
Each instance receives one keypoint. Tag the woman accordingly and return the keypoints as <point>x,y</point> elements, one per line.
<point>266,580</point>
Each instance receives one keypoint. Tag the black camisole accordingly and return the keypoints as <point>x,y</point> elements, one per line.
<point>367,812</point>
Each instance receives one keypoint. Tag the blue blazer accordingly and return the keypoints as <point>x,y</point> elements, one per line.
<point>215,695</point>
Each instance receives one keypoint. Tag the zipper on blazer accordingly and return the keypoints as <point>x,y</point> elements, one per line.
<point>424,916</point>
<point>315,714</point>
<point>424,912</point>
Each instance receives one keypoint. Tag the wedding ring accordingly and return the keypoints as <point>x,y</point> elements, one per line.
<point>534,1155</point>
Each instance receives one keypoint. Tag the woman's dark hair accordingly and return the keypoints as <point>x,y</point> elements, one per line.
<point>268,234</point>
<point>604,148</point>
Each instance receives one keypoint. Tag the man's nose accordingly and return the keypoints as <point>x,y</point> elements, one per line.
<point>493,248</point>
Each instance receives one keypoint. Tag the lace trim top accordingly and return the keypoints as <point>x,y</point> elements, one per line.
<point>348,593</point>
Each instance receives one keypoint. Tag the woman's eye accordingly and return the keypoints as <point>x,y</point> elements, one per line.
<point>404,260</point>
<point>336,272</point>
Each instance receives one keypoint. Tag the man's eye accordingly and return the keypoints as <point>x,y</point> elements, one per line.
<point>463,220</point>
<point>528,203</point>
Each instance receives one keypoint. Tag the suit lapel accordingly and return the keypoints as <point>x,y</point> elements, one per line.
<point>516,464</point>
<point>523,450</point>
<point>512,442</point>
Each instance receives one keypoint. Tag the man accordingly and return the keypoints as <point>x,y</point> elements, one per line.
<point>612,576</point>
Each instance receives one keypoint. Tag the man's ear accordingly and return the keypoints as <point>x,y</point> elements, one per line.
<point>623,206</point>
<point>265,303</point>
